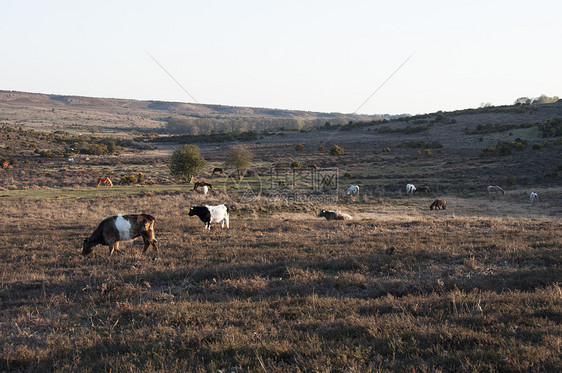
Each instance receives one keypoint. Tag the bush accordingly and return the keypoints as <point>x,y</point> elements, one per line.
<point>296,164</point>
<point>321,148</point>
<point>336,150</point>
<point>428,153</point>
<point>347,175</point>
<point>299,147</point>
<point>128,179</point>
<point>537,146</point>
<point>386,150</point>
<point>488,151</point>
<point>510,180</point>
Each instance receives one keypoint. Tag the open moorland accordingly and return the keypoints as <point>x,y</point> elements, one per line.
<point>475,287</point>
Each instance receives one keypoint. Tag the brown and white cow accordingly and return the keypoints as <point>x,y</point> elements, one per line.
<point>118,228</point>
<point>494,189</point>
<point>104,181</point>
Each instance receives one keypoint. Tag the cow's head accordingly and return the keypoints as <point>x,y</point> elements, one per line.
<point>87,247</point>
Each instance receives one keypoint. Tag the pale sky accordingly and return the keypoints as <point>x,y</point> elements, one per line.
<point>308,55</point>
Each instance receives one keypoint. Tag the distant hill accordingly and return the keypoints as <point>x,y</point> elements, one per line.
<point>78,113</point>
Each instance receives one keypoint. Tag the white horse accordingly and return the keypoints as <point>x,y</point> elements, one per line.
<point>410,188</point>
<point>534,197</point>
<point>354,189</point>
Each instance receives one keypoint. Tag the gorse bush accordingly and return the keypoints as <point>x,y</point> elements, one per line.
<point>336,150</point>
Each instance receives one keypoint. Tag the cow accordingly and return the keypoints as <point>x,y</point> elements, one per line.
<point>494,189</point>
<point>438,204</point>
<point>534,197</point>
<point>211,214</point>
<point>118,228</point>
<point>202,184</point>
<point>205,190</point>
<point>410,188</point>
<point>333,215</point>
<point>104,181</point>
<point>354,189</point>
<point>422,189</point>
<point>217,170</point>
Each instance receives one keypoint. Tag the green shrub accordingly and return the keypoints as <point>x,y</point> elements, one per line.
<point>336,150</point>
<point>510,180</point>
<point>488,151</point>
<point>347,175</point>
<point>299,147</point>
<point>321,148</point>
<point>296,164</point>
<point>537,146</point>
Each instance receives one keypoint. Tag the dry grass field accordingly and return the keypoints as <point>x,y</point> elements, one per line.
<point>475,287</point>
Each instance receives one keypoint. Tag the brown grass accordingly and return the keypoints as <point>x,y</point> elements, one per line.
<point>426,293</point>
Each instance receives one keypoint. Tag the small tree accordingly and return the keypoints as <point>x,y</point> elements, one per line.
<point>239,158</point>
<point>186,162</point>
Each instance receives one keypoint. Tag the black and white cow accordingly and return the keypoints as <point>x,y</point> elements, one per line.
<point>211,214</point>
<point>333,215</point>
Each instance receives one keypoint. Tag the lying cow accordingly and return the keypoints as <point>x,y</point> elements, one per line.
<point>333,215</point>
<point>438,204</point>
<point>211,214</point>
<point>122,228</point>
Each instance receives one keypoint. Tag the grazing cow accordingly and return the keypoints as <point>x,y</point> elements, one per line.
<point>354,189</point>
<point>205,190</point>
<point>217,170</point>
<point>410,188</point>
<point>422,189</point>
<point>202,184</point>
<point>534,197</point>
<point>122,228</point>
<point>104,181</point>
<point>211,214</point>
<point>494,189</point>
<point>6,164</point>
<point>333,215</point>
<point>438,204</point>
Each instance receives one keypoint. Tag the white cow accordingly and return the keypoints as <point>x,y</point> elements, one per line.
<point>410,188</point>
<point>205,190</point>
<point>534,197</point>
<point>354,189</point>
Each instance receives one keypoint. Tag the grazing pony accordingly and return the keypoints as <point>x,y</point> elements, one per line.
<point>104,181</point>
<point>202,184</point>
<point>217,170</point>
<point>333,215</point>
<point>211,214</point>
<point>354,189</point>
<point>494,189</point>
<point>438,204</point>
<point>422,189</point>
<point>410,188</point>
<point>534,197</point>
<point>122,228</point>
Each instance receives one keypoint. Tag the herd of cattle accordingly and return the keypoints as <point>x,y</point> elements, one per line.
<point>119,228</point>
